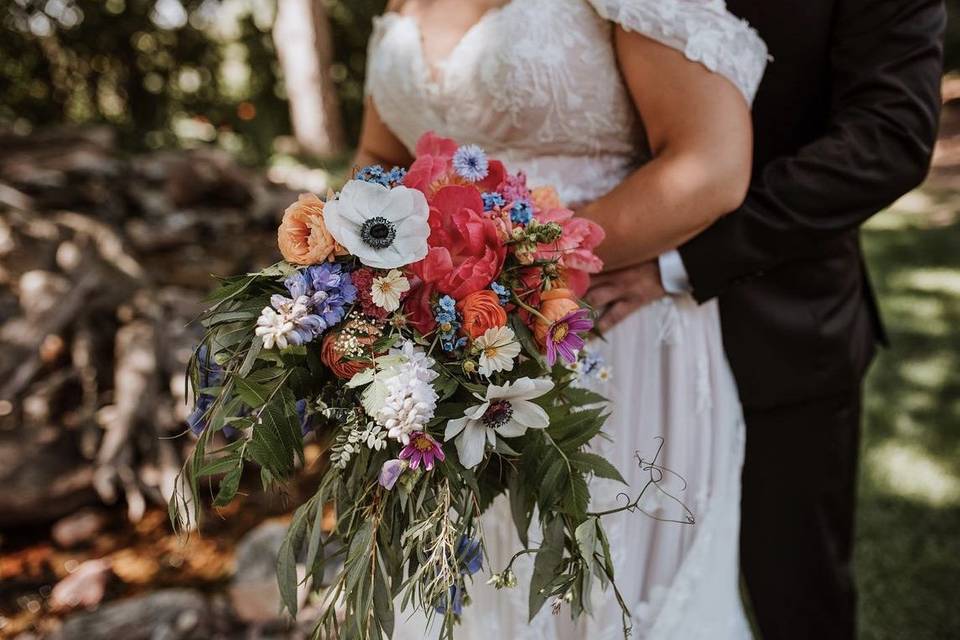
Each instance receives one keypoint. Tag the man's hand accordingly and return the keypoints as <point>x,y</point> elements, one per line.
<point>617,294</point>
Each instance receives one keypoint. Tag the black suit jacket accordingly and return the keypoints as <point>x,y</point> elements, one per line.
<point>845,122</point>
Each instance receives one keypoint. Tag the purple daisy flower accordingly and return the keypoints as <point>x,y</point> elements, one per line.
<point>422,449</point>
<point>563,336</point>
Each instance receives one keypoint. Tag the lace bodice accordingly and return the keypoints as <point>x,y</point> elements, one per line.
<point>535,82</point>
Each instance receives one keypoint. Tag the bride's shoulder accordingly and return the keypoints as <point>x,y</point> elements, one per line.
<point>704,30</point>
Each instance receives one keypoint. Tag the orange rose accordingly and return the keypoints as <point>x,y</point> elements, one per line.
<point>353,341</point>
<point>554,304</point>
<point>481,310</point>
<point>545,199</point>
<point>303,236</point>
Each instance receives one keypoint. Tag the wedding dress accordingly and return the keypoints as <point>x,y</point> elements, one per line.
<point>536,84</point>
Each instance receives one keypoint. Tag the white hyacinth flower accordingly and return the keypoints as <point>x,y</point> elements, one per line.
<point>409,399</point>
<point>273,328</point>
<point>498,349</point>
<point>388,289</point>
<point>506,410</point>
<point>278,326</point>
<point>384,227</point>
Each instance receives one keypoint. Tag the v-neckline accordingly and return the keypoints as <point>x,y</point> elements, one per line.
<point>435,71</point>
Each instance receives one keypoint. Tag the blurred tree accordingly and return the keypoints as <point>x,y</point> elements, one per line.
<point>301,34</point>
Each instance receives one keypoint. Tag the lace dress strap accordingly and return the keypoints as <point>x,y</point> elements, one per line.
<point>704,30</point>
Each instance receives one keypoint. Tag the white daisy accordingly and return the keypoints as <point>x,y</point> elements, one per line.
<point>387,290</point>
<point>506,410</point>
<point>384,227</point>
<point>498,347</point>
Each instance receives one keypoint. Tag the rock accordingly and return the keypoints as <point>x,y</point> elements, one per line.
<point>173,614</point>
<point>82,588</point>
<point>253,590</point>
<point>78,528</point>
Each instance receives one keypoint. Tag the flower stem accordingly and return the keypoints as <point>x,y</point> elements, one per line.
<point>527,307</point>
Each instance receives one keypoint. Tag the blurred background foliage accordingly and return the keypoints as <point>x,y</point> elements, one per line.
<point>167,73</point>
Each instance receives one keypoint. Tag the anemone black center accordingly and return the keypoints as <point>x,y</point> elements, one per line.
<point>378,232</point>
<point>498,414</point>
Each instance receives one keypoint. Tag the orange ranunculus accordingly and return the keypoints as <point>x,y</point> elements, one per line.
<point>481,310</point>
<point>353,341</point>
<point>303,236</point>
<point>546,199</point>
<point>554,304</point>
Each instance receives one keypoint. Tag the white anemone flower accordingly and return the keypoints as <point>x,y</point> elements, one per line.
<point>385,228</point>
<point>387,290</point>
<point>498,348</point>
<point>506,410</point>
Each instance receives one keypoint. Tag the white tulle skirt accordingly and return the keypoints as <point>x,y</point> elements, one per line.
<point>671,381</point>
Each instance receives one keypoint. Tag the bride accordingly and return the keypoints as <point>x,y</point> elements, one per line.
<point>638,112</point>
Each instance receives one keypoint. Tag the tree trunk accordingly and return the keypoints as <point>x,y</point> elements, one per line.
<point>305,48</point>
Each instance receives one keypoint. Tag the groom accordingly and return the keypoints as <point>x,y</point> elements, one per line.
<point>845,123</point>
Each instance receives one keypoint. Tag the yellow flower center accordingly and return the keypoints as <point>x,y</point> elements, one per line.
<point>560,332</point>
<point>422,444</point>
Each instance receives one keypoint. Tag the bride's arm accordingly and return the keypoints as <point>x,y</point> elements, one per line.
<point>378,145</point>
<point>699,130</point>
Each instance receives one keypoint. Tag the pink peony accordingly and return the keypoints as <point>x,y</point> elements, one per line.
<point>466,252</point>
<point>434,162</point>
<point>575,247</point>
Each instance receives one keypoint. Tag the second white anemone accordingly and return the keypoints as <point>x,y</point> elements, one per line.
<point>506,410</point>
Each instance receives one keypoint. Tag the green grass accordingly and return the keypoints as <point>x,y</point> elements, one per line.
<point>908,553</point>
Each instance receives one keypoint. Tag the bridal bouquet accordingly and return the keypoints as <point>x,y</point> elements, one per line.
<point>425,327</point>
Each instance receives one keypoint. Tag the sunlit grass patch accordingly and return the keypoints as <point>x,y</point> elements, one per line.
<point>908,542</point>
<point>907,471</point>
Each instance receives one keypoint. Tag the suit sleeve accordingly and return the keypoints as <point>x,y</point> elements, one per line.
<point>887,63</point>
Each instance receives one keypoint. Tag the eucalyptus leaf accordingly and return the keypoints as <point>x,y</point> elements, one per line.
<point>229,485</point>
